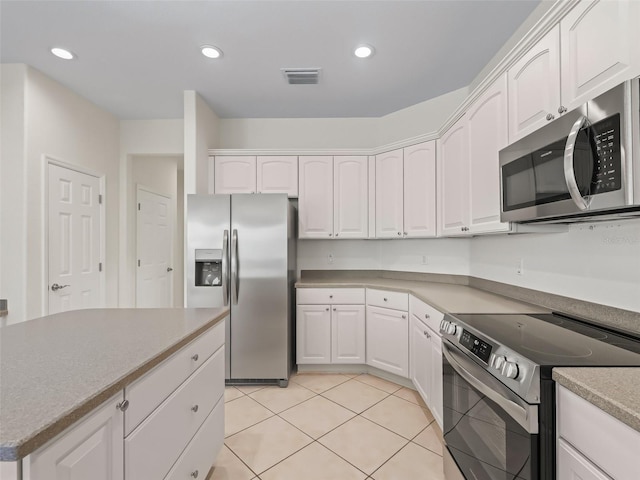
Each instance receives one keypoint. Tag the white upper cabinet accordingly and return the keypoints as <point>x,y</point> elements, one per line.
<point>389,194</point>
<point>249,174</point>
<point>277,174</point>
<point>453,191</point>
<point>350,192</point>
<point>420,190</point>
<point>315,205</point>
<point>235,174</point>
<point>405,192</point>
<point>600,48</point>
<point>534,87</point>
<point>487,133</point>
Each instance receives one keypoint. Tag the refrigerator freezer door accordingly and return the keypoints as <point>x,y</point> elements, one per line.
<point>260,342</point>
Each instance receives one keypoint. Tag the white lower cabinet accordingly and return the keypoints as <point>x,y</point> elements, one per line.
<point>388,340</point>
<point>421,358</point>
<point>347,334</point>
<point>313,334</point>
<point>436,379</point>
<point>593,445</point>
<point>92,449</point>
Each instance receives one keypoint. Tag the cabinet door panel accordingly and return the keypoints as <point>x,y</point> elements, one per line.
<point>436,378</point>
<point>534,87</point>
<point>573,466</point>
<point>235,174</point>
<point>347,334</point>
<point>91,449</point>
<point>421,354</point>
<point>277,175</point>
<point>599,42</point>
<point>388,340</point>
<point>487,126</point>
<point>420,190</point>
<point>389,195</point>
<point>315,204</point>
<point>350,194</point>
<point>313,334</point>
<point>454,180</point>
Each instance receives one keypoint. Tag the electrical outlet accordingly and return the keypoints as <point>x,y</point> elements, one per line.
<point>520,267</point>
<point>330,258</point>
<point>425,260</point>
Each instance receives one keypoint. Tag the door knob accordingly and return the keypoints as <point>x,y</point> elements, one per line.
<point>169,269</point>
<point>55,287</point>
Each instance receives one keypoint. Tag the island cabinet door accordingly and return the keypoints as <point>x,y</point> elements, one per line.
<point>91,449</point>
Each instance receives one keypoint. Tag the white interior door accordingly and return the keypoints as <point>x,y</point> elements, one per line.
<point>74,238</point>
<point>154,286</point>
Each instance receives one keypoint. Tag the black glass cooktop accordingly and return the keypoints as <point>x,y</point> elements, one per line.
<point>554,340</point>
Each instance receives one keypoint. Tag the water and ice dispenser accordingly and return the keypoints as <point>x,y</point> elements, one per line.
<point>208,267</point>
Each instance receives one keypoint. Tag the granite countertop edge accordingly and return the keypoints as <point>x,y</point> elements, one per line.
<point>587,383</point>
<point>17,450</point>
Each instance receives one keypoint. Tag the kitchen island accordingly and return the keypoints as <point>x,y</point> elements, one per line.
<point>57,370</point>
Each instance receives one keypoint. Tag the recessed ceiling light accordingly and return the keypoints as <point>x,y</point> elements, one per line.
<point>62,53</point>
<point>363,51</point>
<point>211,51</point>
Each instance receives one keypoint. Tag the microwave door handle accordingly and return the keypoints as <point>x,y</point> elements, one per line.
<point>524,414</point>
<point>569,172</point>
<point>225,268</point>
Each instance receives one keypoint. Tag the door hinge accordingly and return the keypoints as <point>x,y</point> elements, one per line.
<point>100,199</point>
<point>138,206</point>
<point>100,266</point>
<point>138,262</point>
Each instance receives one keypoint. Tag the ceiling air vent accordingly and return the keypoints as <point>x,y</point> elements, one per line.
<point>301,76</point>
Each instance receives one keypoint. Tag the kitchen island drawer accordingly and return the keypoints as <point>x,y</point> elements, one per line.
<point>330,296</point>
<point>152,448</point>
<point>381,298</point>
<point>146,393</point>
<point>426,313</point>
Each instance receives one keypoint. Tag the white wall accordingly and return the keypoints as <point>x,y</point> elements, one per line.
<point>60,124</point>
<point>339,133</point>
<point>13,202</point>
<point>597,262</point>
<point>201,132</point>
<point>159,139</point>
<point>444,255</point>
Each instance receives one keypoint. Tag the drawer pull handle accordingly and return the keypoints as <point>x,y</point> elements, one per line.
<point>195,357</point>
<point>385,299</point>
<point>194,474</point>
<point>194,409</point>
<point>122,406</point>
<point>330,296</point>
<point>426,315</point>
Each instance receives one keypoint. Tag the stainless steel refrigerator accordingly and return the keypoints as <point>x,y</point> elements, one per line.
<point>241,253</point>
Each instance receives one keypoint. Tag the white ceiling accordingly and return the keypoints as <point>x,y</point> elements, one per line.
<point>135,58</point>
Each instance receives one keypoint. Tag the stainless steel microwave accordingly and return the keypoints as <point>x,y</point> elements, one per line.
<point>584,166</point>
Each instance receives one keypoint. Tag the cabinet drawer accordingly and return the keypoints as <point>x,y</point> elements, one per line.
<point>606,441</point>
<point>154,446</point>
<point>202,451</point>
<point>426,313</point>
<point>323,296</point>
<point>381,298</point>
<point>146,393</point>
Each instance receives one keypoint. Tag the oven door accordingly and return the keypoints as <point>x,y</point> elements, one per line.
<point>491,433</point>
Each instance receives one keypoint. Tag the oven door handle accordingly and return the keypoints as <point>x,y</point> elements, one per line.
<point>524,414</point>
<point>569,171</point>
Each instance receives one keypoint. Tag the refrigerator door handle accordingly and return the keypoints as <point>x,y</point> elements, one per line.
<point>225,268</point>
<point>234,267</point>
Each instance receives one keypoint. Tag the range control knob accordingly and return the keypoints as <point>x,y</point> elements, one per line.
<point>499,361</point>
<point>452,328</point>
<point>443,326</point>
<point>510,370</point>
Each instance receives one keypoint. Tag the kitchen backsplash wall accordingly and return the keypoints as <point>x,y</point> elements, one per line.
<point>416,255</point>
<point>597,262</point>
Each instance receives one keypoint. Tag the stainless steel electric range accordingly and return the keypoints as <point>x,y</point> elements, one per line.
<point>498,395</point>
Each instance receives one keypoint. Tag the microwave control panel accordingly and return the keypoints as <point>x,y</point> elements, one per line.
<point>607,175</point>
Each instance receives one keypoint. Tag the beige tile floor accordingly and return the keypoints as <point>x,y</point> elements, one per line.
<point>329,427</point>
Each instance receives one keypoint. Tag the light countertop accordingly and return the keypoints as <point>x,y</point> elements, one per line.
<point>56,369</point>
<point>614,390</point>
<point>445,297</point>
